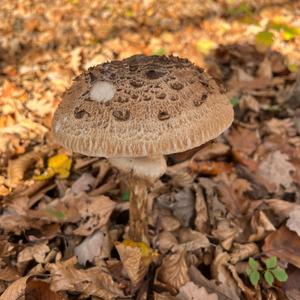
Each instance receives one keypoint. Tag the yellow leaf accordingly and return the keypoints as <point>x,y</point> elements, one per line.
<point>136,258</point>
<point>47,175</point>
<point>143,247</point>
<point>59,164</point>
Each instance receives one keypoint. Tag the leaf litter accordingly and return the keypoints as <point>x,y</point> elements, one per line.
<point>64,217</point>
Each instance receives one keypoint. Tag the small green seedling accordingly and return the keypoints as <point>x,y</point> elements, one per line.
<point>125,196</point>
<point>271,272</point>
<point>234,101</point>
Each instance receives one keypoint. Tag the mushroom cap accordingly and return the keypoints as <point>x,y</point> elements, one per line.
<point>141,106</point>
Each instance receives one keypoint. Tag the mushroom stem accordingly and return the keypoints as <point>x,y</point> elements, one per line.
<point>138,219</point>
<point>139,173</point>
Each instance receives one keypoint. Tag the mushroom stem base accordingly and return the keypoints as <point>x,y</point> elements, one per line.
<point>138,220</point>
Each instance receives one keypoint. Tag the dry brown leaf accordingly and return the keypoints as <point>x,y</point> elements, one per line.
<point>135,259</point>
<point>181,203</point>
<point>280,127</point>
<point>293,223</point>
<point>246,290</point>
<point>4,191</point>
<point>174,270</point>
<point>249,102</point>
<point>94,214</point>
<point>91,247</point>
<point>224,291</point>
<point>285,244</point>
<point>261,225</point>
<point>169,223</point>
<point>281,207</point>
<point>191,240</point>
<point>277,169</point>
<point>166,241</point>
<point>265,69</point>
<point>16,291</point>
<point>12,136</point>
<point>17,167</point>
<point>211,151</point>
<point>36,251</point>
<point>37,289</point>
<point>201,219</point>
<point>164,296</point>
<point>9,273</point>
<point>239,135</point>
<point>12,222</point>
<point>191,291</point>
<point>243,251</point>
<point>211,167</point>
<point>83,184</point>
<point>226,231</point>
<point>231,195</point>
<point>293,294</point>
<point>219,269</point>
<point>89,282</point>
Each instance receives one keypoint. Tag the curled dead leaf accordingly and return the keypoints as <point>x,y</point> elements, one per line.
<point>284,244</point>
<point>17,167</point>
<point>190,291</point>
<point>89,282</point>
<point>29,288</point>
<point>224,291</point>
<point>136,258</point>
<point>293,223</point>
<point>277,169</point>
<point>174,270</point>
<point>243,251</point>
<point>36,251</point>
<point>95,245</point>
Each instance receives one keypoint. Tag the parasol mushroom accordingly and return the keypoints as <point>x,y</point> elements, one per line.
<point>134,112</point>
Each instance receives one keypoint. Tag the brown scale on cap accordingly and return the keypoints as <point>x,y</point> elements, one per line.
<point>139,106</point>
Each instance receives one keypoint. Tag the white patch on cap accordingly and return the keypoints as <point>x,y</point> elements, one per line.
<point>102,91</point>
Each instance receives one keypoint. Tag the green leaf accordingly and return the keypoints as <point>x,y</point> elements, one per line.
<point>271,262</point>
<point>159,51</point>
<point>60,215</point>
<point>253,263</point>
<point>254,277</point>
<point>125,196</point>
<point>269,277</point>
<point>234,101</point>
<point>249,271</point>
<point>280,274</point>
<point>264,38</point>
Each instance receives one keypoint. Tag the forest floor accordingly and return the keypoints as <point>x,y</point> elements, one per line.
<point>224,221</point>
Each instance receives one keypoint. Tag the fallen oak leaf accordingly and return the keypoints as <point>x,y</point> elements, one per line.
<point>190,291</point>
<point>29,288</point>
<point>36,251</point>
<point>284,244</point>
<point>293,223</point>
<point>136,258</point>
<point>277,169</point>
<point>174,270</point>
<point>16,290</point>
<point>224,291</point>
<point>37,289</point>
<point>91,247</point>
<point>89,282</point>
